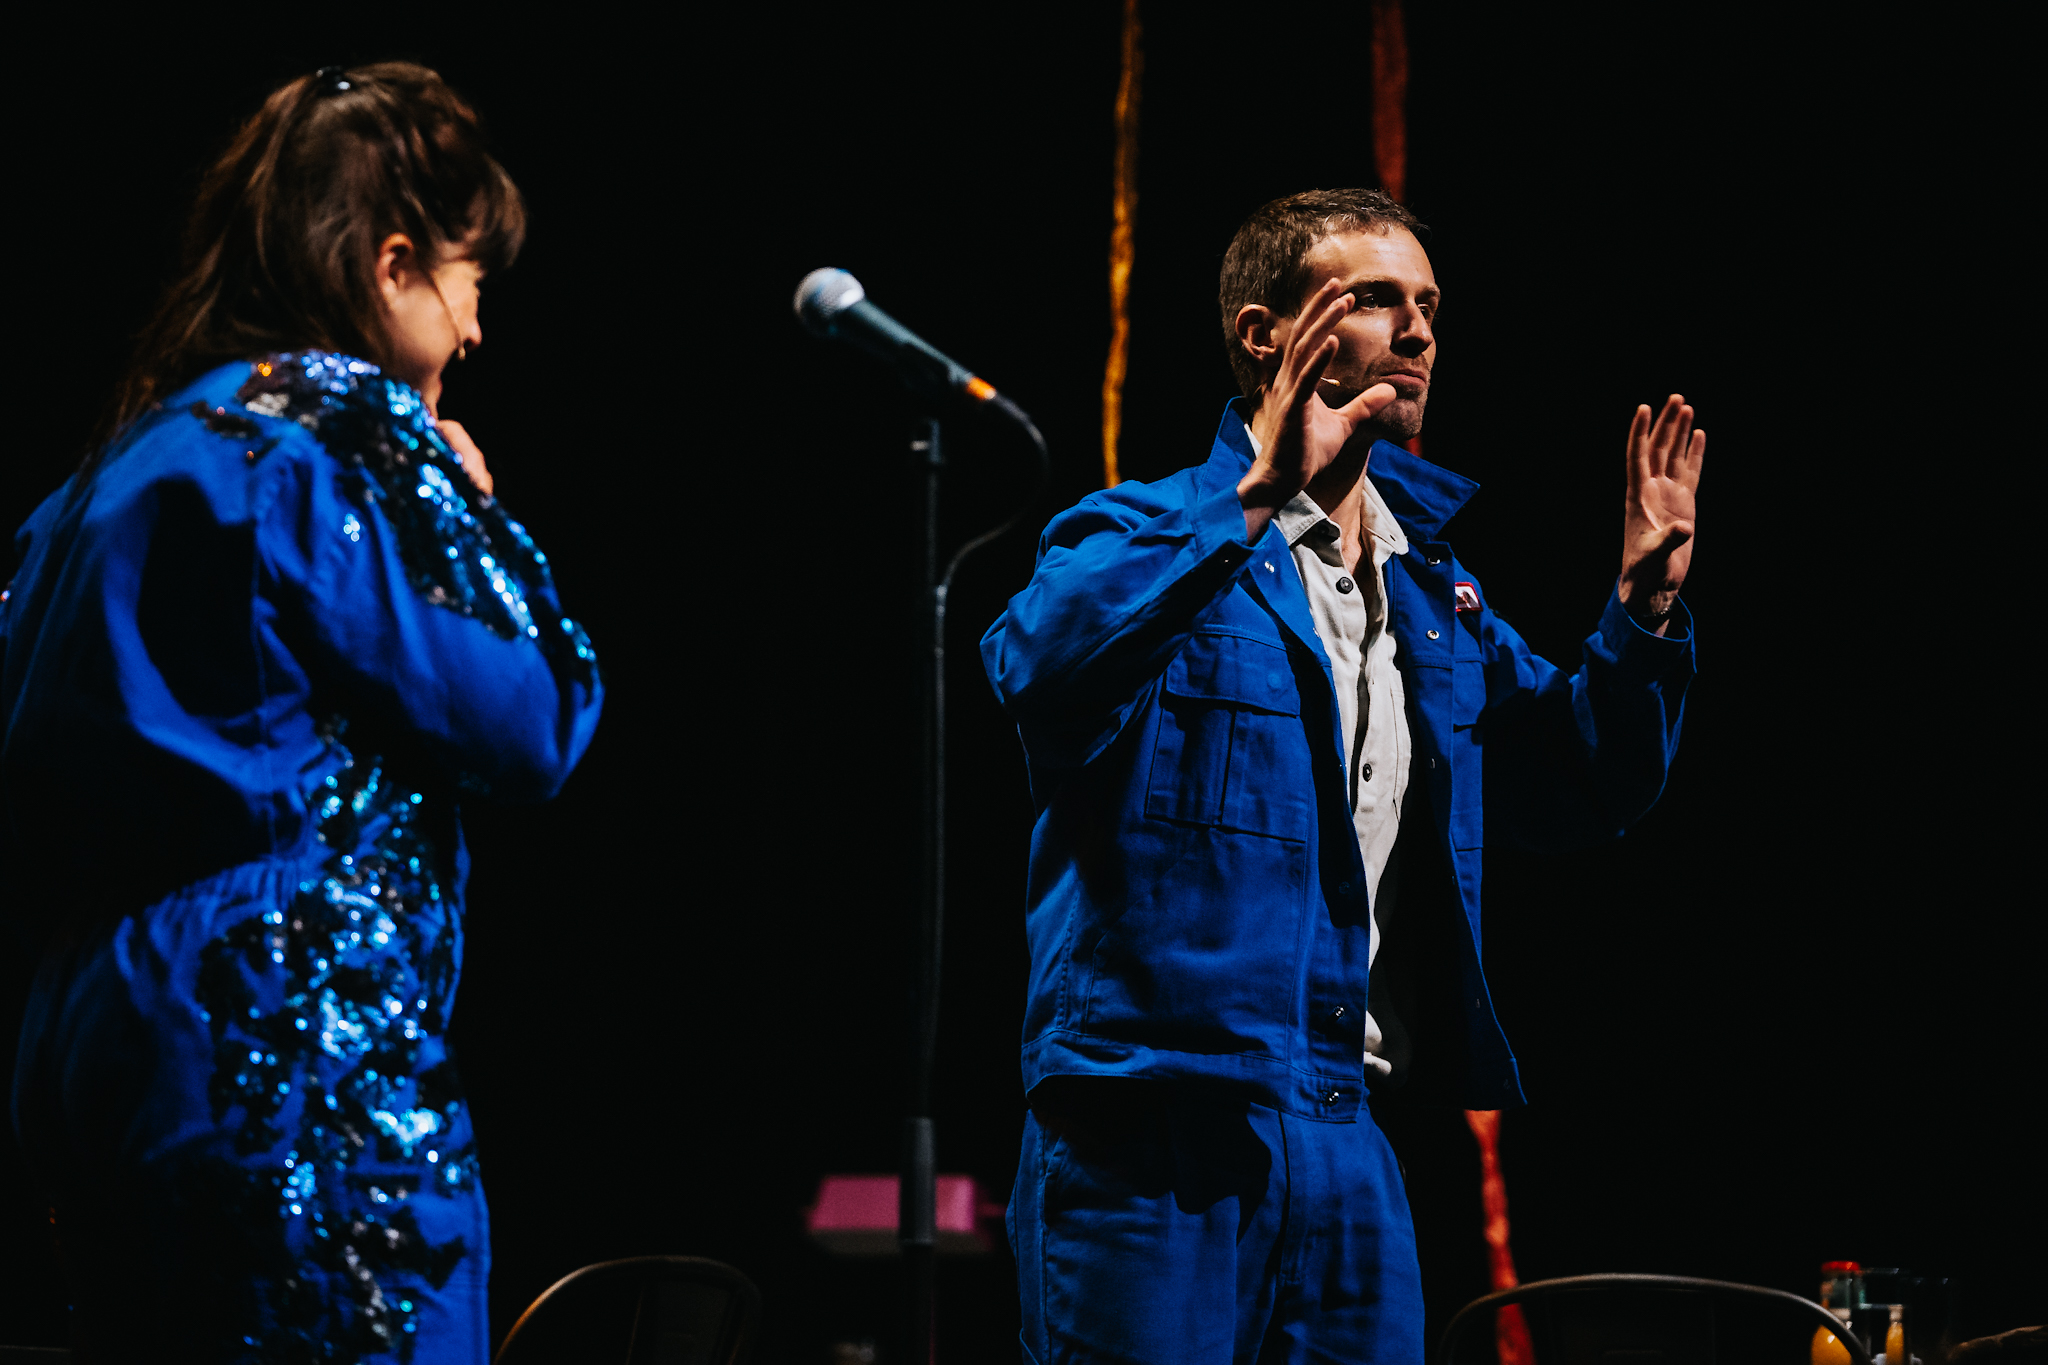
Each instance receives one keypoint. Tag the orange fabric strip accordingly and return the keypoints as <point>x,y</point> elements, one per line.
<point>1121,243</point>
<point>1510,1330</point>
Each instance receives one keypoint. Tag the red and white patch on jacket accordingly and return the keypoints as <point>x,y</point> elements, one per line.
<point>1468,596</point>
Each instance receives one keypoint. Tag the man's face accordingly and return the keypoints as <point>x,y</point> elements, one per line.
<point>1387,337</point>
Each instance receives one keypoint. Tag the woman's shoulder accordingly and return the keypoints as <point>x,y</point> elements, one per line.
<point>297,404</point>
<point>377,430</point>
<point>459,547</point>
<point>236,426</point>
<point>345,401</point>
<point>200,423</point>
<point>201,439</point>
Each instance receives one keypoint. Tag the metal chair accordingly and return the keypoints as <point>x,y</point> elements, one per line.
<point>646,1310</point>
<point>1647,1320</point>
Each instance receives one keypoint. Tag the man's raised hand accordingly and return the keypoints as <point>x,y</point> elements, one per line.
<point>1658,522</point>
<point>1299,435</point>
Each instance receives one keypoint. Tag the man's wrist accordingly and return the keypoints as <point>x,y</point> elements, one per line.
<point>1260,494</point>
<point>1261,498</point>
<point>1649,609</point>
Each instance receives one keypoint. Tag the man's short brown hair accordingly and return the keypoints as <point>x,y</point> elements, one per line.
<point>1267,260</point>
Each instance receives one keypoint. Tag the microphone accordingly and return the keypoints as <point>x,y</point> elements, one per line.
<point>831,303</point>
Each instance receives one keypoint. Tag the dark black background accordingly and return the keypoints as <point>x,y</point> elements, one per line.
<point>1796,1015</point>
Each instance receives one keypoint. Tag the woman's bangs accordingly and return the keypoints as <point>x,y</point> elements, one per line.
<point>497,222</point>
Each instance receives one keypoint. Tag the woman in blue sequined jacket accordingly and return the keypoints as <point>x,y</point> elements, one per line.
<point>253,657</point>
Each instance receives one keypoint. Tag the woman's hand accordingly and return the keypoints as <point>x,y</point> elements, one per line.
<point>466,451</point>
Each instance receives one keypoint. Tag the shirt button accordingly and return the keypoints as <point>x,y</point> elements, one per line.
<point>1343,585</point>
<point>1365,773</point>
<point>1432,635</point>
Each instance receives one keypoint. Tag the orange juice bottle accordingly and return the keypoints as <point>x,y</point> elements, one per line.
<point>1828,1348</point>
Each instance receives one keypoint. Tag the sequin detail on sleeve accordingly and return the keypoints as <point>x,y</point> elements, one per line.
<point>326,1018</point>
<point>461,550</point>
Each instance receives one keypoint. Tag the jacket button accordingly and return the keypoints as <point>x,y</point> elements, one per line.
<point>1436,561</point>
<point>1432,635</point>
<point>1337,1012</point>
<point>1344,585</point>
<point>1332,1096</point>
<point>1273,681</point>
<point>1346,888</point>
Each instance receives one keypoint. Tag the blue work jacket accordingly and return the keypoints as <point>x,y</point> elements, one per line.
<point>1197,907</point>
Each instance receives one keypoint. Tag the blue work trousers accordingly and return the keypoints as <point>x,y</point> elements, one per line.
<point>1169,1225</point>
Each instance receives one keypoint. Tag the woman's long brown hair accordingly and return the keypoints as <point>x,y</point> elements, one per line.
<point>280,252</point>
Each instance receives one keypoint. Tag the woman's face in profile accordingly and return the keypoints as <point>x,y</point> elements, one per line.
<point>429,317</point>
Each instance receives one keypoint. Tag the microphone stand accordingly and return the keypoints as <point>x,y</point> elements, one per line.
<point>917,1207</point>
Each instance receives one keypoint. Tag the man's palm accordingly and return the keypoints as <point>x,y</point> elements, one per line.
<point>1300,435</point>
<point>1658,523</point>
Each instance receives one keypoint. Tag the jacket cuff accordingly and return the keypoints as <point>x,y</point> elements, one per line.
<point>1638,653</point>
<point>1219,530</point>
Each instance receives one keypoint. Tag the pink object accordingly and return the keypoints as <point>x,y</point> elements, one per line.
<point>855,1215</point>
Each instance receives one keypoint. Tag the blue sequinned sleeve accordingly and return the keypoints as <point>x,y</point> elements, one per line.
<point>432,603</point>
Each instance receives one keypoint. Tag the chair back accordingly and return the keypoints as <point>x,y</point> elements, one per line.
<point>1650,1320</point>
<point>645,1310</point>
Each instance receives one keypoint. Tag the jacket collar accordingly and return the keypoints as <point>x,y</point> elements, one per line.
<point>1423,497</point>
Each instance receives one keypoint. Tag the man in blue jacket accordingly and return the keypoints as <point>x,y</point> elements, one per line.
<point>1269,721</point>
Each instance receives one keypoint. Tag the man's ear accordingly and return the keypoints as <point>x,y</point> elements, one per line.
<point>397,262</point>
<point>1256,332</point>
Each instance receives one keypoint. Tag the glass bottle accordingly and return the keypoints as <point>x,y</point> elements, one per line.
<point>1841,1287</point>
<point>1841,1293</point>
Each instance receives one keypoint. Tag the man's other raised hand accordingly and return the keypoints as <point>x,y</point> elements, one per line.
<point>1299,435</point>
<point>1658,521</point>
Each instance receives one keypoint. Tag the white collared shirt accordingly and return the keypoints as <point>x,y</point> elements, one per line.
<point>1351,620</point>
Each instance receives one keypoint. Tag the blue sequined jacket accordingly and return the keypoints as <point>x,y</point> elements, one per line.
<point>282,567</point>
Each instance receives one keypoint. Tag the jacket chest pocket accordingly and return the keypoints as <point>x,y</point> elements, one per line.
<point>1468,671</point>
<point>1468,692</point>
<point>1229,749</point>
